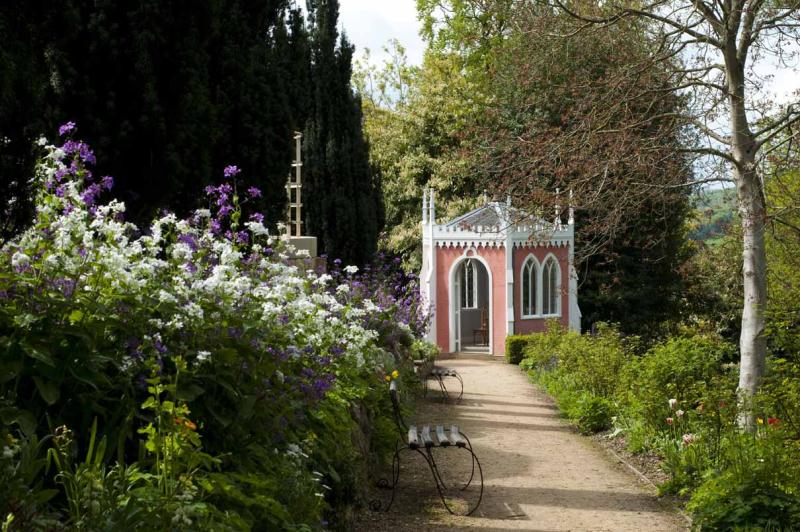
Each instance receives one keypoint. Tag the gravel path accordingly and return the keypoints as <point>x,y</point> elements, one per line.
<point>539,473</point>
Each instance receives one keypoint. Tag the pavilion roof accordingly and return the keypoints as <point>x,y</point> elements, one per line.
<point>495,214</point>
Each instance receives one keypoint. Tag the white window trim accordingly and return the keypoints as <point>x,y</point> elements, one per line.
<point>536,278</point>
<point>557,270</point>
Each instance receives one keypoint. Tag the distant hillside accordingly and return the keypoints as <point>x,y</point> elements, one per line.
<point>715,210</point>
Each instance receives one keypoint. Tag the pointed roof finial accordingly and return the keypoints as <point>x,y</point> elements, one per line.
<point>424,206</point>
<point>571,219</point>
<point>558,208</point>
<point>432,206</point>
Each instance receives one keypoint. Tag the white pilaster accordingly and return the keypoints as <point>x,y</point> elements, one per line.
<point>509,245</point>
<point>574,309</point>
<point>431,274</point>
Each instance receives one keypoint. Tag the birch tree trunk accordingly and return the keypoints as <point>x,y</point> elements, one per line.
<point>752,210</point>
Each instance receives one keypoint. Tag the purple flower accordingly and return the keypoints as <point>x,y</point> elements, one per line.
<point>231,171</point>
<point>189,240</point>
<point>268,252</point>
<point>60,173</point>
<point>69,127</point>
<point>257,217</point>
<point>225,210</point>
<point>107,182</point>
<point>161,348</point>
<point>90,194</point>
<point>254,192</point>
<point>215,227</point>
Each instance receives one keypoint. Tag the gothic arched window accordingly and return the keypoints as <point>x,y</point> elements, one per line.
<point>530,275</point>
<point>551,280</point>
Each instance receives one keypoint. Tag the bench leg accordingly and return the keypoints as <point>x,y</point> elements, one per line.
<point>461,381</point>
<point>375,505</point>
<point>475,462</point>
<point>442,387</point>
<point>440,486</point>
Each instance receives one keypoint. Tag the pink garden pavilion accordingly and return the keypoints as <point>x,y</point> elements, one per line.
<point>496,271</point>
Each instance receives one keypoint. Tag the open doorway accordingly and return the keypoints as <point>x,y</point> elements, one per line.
<point>471,328</point>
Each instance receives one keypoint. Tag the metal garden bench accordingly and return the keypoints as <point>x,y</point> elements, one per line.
<point>440,374</point>
<point>422,440</point>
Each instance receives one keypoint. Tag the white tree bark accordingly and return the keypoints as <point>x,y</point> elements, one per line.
<point>752,211</point>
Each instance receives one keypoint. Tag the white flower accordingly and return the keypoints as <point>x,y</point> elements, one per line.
<point>42,141</point>
<point>342,289</point>
<point>20,260</point>
<point>202,356</point>
<point>672,404</point>
<point>203,213</point>
<point>166,297</point>
<point>679,413</point>
<point>323,279</point>
<point>351,269</point>
<point>257,228</point>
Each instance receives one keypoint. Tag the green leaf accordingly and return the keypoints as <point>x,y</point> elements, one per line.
<point>39,353</point>
<point>150,402</point>
<point>24,419</point>
<point>49,390</point>
<point>42,496</point>
<point>9,370</point>
<point>75,316</point>
<point>189,392</point>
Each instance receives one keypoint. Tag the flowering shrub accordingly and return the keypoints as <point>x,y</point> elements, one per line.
<point>678,400</point>
<point>195,335</point>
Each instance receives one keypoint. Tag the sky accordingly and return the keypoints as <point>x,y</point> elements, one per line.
<point>372,23</point>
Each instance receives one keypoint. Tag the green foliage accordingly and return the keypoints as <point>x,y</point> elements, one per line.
<point>687,369</point>
<point>678,399</point>
<point>783,281</point>
<point>23,496</point>
<point>515,348</point>
<point>715,211</point>
<point>581,372</point>
<point>593,413</point>
<point>756,486</point>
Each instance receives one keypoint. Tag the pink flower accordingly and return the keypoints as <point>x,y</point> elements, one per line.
<point>688,439</point>
<point>672,404</point>
<point>773,421</point>
<point>670,421</point>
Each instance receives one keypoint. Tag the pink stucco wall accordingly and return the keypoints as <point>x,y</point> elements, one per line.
<point>531,325</point>
<point>496,261</point>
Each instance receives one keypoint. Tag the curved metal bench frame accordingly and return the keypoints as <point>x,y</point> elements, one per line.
<point>440,374</point>
<point>423,444</point>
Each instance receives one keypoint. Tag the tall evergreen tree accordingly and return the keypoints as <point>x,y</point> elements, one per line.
<point>169,93</point>
<point>344,206</point>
